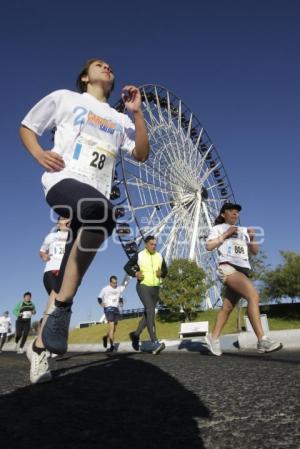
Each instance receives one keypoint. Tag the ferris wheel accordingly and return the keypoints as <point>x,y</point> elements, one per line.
<point>177,193</point>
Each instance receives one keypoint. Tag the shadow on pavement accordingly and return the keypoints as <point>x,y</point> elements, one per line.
<point>194,346</point>
<point>117,402</point>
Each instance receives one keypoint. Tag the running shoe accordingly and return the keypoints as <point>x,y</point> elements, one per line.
<point>213,345</point>
<point>39,367</point>
<point>159,348</point>
<point>268,345</point>
<point>104,340</point>
<point>111,349</point>
<point>135,341</point>
<point>56,330</point>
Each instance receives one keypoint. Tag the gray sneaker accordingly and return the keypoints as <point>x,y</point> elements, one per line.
<point>56,330</point>
<point>268,345</point>
<point>213,345</point>
<point>39,367</point>
<point>159,348</point>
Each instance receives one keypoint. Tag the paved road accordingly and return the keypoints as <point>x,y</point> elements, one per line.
<point>174,400</point>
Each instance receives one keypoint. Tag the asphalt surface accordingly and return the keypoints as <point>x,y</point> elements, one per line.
<point>173,400</point>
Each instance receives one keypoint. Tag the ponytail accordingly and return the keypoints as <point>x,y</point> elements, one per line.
<point>219,220</point>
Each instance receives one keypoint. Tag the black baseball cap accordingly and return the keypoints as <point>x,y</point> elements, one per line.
<point>227,206</point>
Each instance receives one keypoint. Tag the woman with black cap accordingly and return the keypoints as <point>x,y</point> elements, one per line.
<point>234,243</point>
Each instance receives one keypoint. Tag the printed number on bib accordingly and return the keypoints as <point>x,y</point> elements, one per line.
<point>94,159</point>
<point>235,248</point>
<point>98,160</point>
<point>239,249</point>
<point>59,249</point>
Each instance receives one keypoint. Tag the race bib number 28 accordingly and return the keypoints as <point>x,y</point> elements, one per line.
<point>95,160</point>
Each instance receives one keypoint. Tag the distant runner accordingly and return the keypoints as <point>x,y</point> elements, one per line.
<point>149,267</point>
<point>23,311</point>
<point>110,298</point>
<point>233,244</point>
<point>52,252</point>
<point>5,328</point>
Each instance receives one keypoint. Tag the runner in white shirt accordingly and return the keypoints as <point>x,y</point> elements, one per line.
<point>52,252</point>
<point>5,328</point>
<point>77,182</point>
<point>234,244</point>
<point>110,298</point>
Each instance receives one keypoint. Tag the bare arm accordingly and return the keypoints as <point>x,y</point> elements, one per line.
<point>44,256</point>
<point>132,100</point>
<point>50,160</point>
<point>252,245</point>
<point>215,243</point>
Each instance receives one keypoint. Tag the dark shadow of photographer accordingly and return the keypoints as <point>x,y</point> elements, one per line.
<point>115,402</point>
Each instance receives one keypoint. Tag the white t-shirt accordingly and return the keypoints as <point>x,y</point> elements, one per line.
<point>111,296</point>
<point>234,249</point>
<point>54,245</point>
<point>88,135</point>
<point>5,324</point>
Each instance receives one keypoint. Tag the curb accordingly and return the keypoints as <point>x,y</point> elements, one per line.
<point>289,338</point>
<point>229,342</point>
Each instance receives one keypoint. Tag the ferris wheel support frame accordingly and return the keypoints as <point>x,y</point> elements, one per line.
<point>192,254</point>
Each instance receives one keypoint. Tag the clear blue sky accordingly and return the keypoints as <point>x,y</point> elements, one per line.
<point>235,64</point>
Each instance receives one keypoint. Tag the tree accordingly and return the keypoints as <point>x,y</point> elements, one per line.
<point>184,287</point>
<point>259,267</point>
<point>284,281</point>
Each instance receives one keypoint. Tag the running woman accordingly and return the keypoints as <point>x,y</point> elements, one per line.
<point>110,299</point>
<point>77,182</point>
<point>52,252</point>
<point>23,311</point>
<point>234,244</point>
<point>149,267</point>
<point>5,328</point>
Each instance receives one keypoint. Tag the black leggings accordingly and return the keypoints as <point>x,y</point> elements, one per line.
<point>149,297</point>
<point>86,207</point>
<point>22,331</point>
<point>50,281</point>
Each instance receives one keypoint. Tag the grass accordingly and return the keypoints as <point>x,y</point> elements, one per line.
<point>280,317</point>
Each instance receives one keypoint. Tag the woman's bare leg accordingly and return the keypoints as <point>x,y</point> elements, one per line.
<point>240,284</point>
<point>223,315</point>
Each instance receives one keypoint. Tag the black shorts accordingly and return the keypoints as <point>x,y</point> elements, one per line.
<point>85,206</point>
<point>112,314</point>
<point>51,281</point>
<point>81,202</point>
